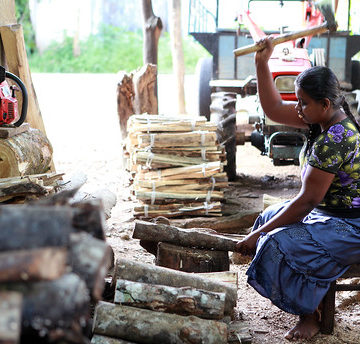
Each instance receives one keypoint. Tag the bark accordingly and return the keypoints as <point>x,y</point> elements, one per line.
<point>151,31</point>
<point>182,301</point>
<point>32,265</point>
<point>181,236</point>
<point>33,226</point>
<point>98,339</point>
<point>27,153</point>
<point>146,273</point>
<point>145,326</point>
<point>177,52</point>
<point>90,258</point>
<point>235,224</point>
<point>10,320</point>
<point>53,307</point>
<point>89,217</point>
<point>125,101</point>
<point>191,259</point>
<point>145,86</point>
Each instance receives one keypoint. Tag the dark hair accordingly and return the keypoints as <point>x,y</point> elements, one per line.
<point>320,82</point>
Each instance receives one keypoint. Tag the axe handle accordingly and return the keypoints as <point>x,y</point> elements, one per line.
<point>283,38</point>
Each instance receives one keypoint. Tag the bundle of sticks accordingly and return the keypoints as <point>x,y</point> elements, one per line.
<point>177,165</point>
<point>53,263</point>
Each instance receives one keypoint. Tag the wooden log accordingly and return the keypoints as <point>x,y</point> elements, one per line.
<point>222,276</point>
<point>10,132</point>
<point>27,153</point>
<point>33,226</point>
<point>145,326</point>
<point>10,319</point>
<point>32,265</point>
<point>56,308</point>
<point>182,301</point>
<point>98,339</point>
<point>183,236</point>
<point>146,273</point>
<point>89,217</point>
<point>90,258</point>
<point>145,86</point>
<point>125,100</point>
<point>238,223</point>
<point>191,259</point>
<point>7,12</point>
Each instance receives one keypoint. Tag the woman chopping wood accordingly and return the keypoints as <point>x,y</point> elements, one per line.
<point>301,246</point>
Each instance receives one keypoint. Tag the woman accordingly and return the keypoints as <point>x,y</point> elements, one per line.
<point>304,244</point>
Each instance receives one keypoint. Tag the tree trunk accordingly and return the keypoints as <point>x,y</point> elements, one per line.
<point>90,258</point>
<point>53,307</point>
<point>125,100</point>
<point>145,326</point>
<point>146,273</point>
<point>27,153</point>
<point>32,265</point>
<point>181,236</point>
<point>145,84</point>
<point>10,319</point>
<point>26,227</point>
<point>182,301</point>
<point>151,32</point>
<point>177,52</point>
<point>191,259</point>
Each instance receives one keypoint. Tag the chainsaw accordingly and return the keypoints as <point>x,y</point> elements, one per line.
<point>9,114</point>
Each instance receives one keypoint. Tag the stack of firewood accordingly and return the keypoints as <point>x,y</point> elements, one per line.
<point>177,165</point>
<point>29,187</point>
<point>53,262</point>
<point>154,304</point>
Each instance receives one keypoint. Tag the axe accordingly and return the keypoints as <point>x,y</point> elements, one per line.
<point>329,25</point>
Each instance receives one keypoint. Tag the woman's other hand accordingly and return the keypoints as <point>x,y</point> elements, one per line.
<point>264,54</point>
<point>247,246</point>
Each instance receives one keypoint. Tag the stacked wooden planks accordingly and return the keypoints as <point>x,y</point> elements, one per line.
<point>53,262</point>
<point>177,165</point>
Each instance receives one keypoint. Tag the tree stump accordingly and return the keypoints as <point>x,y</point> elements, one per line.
<point>125,100</point>
<point>145,85</point>
<point>190,259</point>
<point>25,154</point>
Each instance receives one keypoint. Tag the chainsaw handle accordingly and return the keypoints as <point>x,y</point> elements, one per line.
<point>24,97</point>
<point>252,48</point>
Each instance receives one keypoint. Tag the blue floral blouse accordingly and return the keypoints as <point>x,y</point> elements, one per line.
<point>337,151</point>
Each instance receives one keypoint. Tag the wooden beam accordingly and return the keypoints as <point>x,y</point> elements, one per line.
<point>7,12</point>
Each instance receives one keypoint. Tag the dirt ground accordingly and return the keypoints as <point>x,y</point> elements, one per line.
<point>80,118</point>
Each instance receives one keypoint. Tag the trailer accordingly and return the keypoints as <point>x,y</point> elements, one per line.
<point>227,91</point>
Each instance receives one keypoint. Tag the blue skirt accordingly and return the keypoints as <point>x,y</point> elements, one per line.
<point>295,264</point>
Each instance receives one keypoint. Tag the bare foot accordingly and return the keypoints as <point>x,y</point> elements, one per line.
<point>307,327</point>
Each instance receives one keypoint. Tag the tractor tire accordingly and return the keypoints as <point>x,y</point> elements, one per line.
<point>204,69</point>
<point>223,114</point>
<point>355,74</point>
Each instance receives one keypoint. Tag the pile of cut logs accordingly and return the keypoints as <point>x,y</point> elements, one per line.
<point>178,165</point>
<point>53,263</point>
<point>154,304</point>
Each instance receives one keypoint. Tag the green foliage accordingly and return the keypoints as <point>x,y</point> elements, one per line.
<point>23,18</point>
<point>111,50</point>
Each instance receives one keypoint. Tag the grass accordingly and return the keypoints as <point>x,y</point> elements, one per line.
<point>110,51</point>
